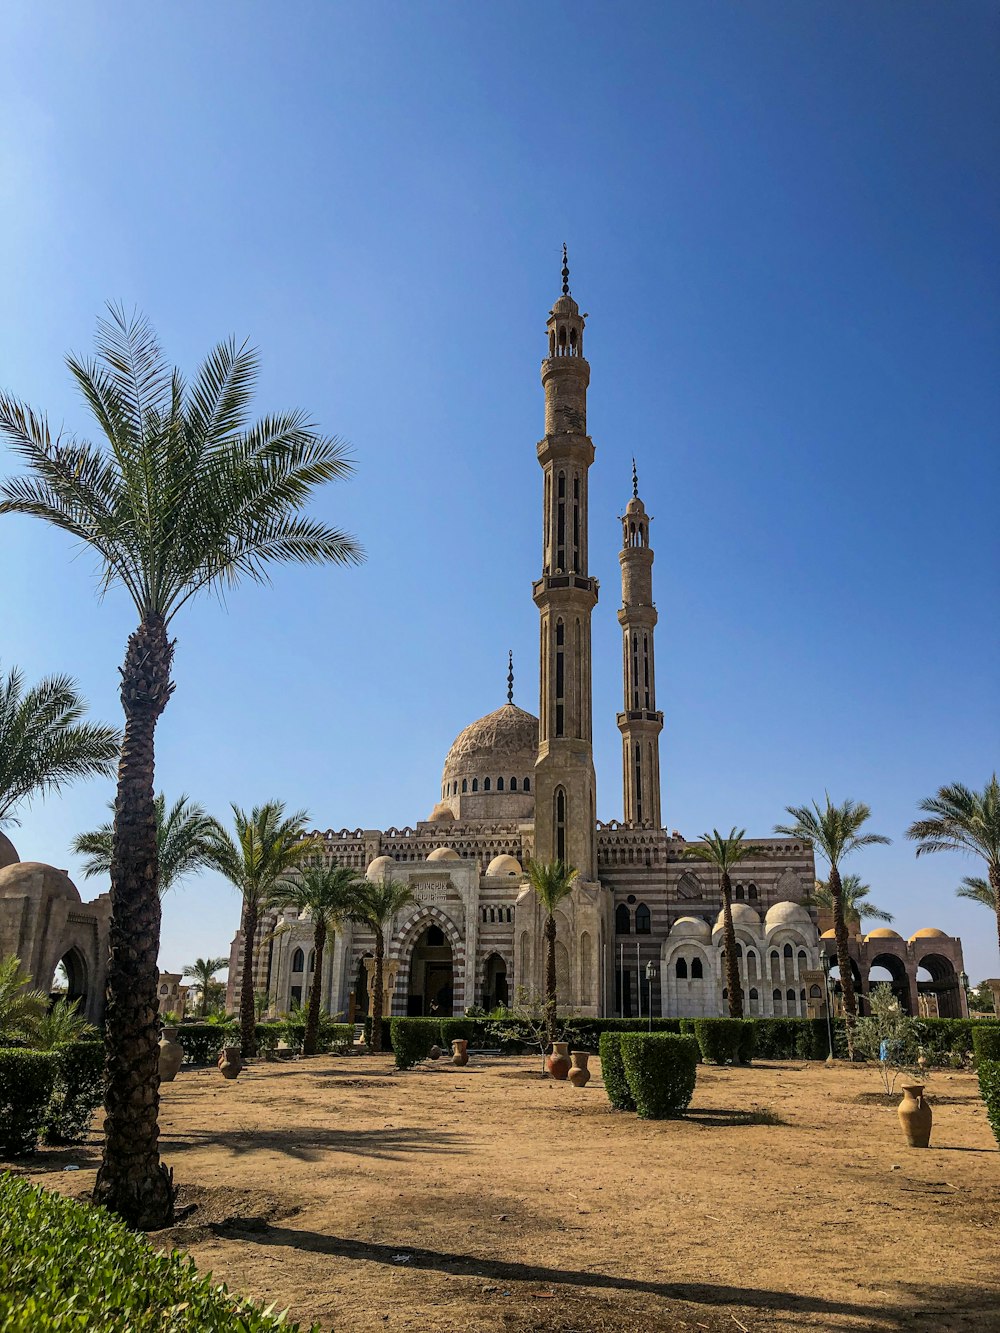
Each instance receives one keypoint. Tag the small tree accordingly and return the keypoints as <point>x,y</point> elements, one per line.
<point>21,1008</point>
<point>63,1023</point>
<point>375,907</point>
<point>890,1037</point>
<point>726,853</point>
<point>531,1014</point>
<point>203,971</point>
<point>552,881</point>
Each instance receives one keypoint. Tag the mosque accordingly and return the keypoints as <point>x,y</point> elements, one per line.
<point>642,929</point>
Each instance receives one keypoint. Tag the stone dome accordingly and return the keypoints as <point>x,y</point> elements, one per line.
<point>787,914</point>
<point>504,865</point>
<point>383,867</point>
<point>441,813</point>
<point>829,935</point>
<point>36,878</point>
<point>501,744</point>
<point>444,854</point>
<point>691,927</point>
<point>883,933</point>
<point>8,852</point>
<point>929,933</point>
<point>565,305</point>
<point>742,916</point>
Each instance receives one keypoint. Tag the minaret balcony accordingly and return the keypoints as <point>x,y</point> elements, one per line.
<point>639,715</point>
<point>562,583</point>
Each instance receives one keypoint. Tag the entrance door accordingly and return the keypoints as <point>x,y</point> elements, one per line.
<point>432,976</point>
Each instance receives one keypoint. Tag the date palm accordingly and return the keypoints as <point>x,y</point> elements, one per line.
<point>552,881</point>
<point>43,742</point>
<point>182,843</point>
<point>978,890</point>
<point>958,819</point>
<point>61,1024</point>
<point>834,831</point>
<point>855,896</point>
<point>377,903</point>
<point>726,853</point>
<point>267,846</point>
<point>183,494</point>
<point>203,971</point>
<point>329,894</point>
<point>21,1008</point>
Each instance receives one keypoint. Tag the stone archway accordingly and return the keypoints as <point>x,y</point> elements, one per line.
<point>76,974</point>
<point>941,982</point>
<point>431,975</point>
<point>897,977</point>
<point>403,948</point>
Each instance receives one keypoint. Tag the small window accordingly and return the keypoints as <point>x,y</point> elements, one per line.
<point>164,990</point>
<point>802,958</point>
<point>298,960</point>
<point>753,993</point>
<point>475,784</point>
<point>527,784</point>
<point>513,784</point>
<point>790,996</point>
<point>643,924</point>
<point>486,784</point>
<point>696,969</point>
<point>465,784</point>
<point>682,968</point>
<point>623,920</point>
<point>789,951</point>
<point>752,892</point>
<point>740,893</point>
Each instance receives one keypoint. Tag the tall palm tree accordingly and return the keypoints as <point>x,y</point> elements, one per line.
<point>203,971</point>
<point>21,1008</point>
<point>961,820</point>
<point>726,853</point>
<point>978,890</point>
<point>377,903</point>
<point>44,744</point>
<point>834,831</point>
<point>552,881</point>
<point>267,846</point>
<point>329,893</point>
<point>183,840</point>
<point>855,896</point>
<point>184,494</point>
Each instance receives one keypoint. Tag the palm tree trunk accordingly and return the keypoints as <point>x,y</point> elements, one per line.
<point>733,984</point>
<point>377,993</point>
<point>550,977</point>
<point>994,873</point>
<point>309,1041</point>
<point>248,1010</point>
<point>843,957</point>
<point>132,1181</point>
<point>203,1006</point>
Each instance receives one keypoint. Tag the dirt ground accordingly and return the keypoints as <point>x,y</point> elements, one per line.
<point>487,1198</point>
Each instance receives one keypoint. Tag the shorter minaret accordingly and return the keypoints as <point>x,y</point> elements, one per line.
<point>640,724</point>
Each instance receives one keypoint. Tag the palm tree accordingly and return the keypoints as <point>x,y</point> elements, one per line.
<point>834,831</point>
<point>21,1009</point>
<point>552,881</point>
<point>855,896</point>
<point>203,971</point>
<point>182,842</point>
<point>328,894</point>
<point>267,846</point>
<point>63,1023</point>
<point>978,890</point>
<point>43,743</point>
<point>726,853</point>
<point>377,903</point>
<point>961,820</point>
<point>183,495</point>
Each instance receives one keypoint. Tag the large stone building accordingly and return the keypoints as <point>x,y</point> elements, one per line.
<point>516,786</point>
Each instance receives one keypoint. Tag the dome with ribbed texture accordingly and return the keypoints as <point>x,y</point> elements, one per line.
<point>503,743</point>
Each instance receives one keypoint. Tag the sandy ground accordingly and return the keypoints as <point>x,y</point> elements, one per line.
<point>487,1198</point>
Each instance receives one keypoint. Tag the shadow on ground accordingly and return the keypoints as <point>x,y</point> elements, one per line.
<point>309,1143</point>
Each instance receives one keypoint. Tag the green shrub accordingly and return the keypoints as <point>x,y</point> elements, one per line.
<point>202,1042</point>
<point>78,1091</point>
<point>66,1266</point>
<point>412,1039</point>
<point>585,1033</point>
<point>748,1040</point>
<point>27,1079</point>
<point>986,1041</point>
<point>989,1086</point>
<point>613,1072</point>
<point>455,1029</point>
<point>661,1070</point>
<point>719,1039</point>
<point>386,1033</point>
<point>332,1036</point>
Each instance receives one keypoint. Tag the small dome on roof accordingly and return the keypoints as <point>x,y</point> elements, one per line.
<point>383,867</point>
<point>444,854</point>
<point>787,913</point>
<point>691,927</point>
<point>829,935</point>
<point>635,506</point>
<point>929,933</point>
<point>8,852</point>
<point>565,305</point>
<point>742,916</point>
<point>441,814</point>
<point>504,865</point>
<point>36,878</point>
<point>883,933</point>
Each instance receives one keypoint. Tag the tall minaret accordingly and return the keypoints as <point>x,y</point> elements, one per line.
<point>565,785</point>
<point>640,724</point>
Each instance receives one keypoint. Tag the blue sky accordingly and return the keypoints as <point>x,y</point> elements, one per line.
<point>782,218</point>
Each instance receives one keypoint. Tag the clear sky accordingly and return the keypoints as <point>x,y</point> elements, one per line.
<point>783,220</point>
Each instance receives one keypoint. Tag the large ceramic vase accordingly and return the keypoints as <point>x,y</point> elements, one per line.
<point>171,1055</point>
<point>558,1063</point>
<point>459,1051</point>
<point>915,1115</point>
<point>579,1074</point>
<point>230,1061</point>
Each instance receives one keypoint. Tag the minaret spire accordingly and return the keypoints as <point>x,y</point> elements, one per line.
<point>565,272</point>
<point>635,482</point>
<point>510,676</point>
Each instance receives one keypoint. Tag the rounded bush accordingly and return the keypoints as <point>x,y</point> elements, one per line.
<point>412,1039</point>
<point>748,1040</point>
<point>989,1086</point>
<point>986,1041</point>
<point>613,1072</point>
<point>719,1039</point>
<point>661,1070</point>
<point>78,1091</point>
<point>27,1079</point>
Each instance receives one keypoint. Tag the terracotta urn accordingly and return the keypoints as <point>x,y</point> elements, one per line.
<point>230,1061</point>
<point>915,1115</point>
<point>558,1063</point>
<point>459,1051</point>
<point>171,1055</point>
<point>579,1074</point>
<point>434,1053</point>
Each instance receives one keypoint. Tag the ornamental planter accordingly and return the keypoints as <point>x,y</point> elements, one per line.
<point>558,1063</point>
<point>459,1051</point>
<point>915,1115</point>
<point>171,1055</point>
<point>230,1061</point>
<point>579,1074</point>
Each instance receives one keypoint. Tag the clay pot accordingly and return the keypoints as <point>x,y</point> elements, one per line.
<point>230,1061</point>
<point>558,1063</point>
<point>434,1053</point>
<point>171,1055</point>
<point>579,1074</point>
<point>459,1051</point>
<point>915,1115</point>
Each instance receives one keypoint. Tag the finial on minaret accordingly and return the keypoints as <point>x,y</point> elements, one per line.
<point>635,482</point>
<point>565,272</point>
<point>510,676</point>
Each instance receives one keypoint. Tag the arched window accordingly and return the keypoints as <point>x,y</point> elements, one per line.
<point>527,784</point>
<point>499,784</point>
<point>752,892</point>
<point>465,784</point>
<point>643,923</point>
<point>513,784</point>
<point>739,949</point>
<point>740,893</point>
<point>696,969</point>
<point>475,784</point>
<point>623,920</point>
<point>789,951</point>
<point>486,784</point>
<point>298,960</point>
<point>802,958</point>
<point>560,822</point>
<point>681,968</point>
<point>776,1001</point>
<point>753,993</point>
<point>312,960</point>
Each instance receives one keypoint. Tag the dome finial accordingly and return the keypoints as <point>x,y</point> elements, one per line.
<point>510,676</point>
<point>635,482</point>
<point>565,272</point>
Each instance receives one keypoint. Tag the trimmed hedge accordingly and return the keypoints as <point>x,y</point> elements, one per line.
<point>661,1070</point>
<point>78,1091</point>
<point>613,1072</point>
<point>336,1037</point>
<point>748,1040</point>
<point>412,1039</point>
<point>66,1265</point>
<point>386,1033</point>
<point>202,1042</point>
<point>719,1039</point>
<point>989,1086</point>
<point>455,1029</point>
<point>986,1041</point>
<point>27,1080</point>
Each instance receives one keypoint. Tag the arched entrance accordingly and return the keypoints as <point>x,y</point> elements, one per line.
<point>70,980</point>
<point>432,976</point>
<point>936,976</point>
<point>495,990</point>
<point>360,996</point>
<point>888,970</point>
